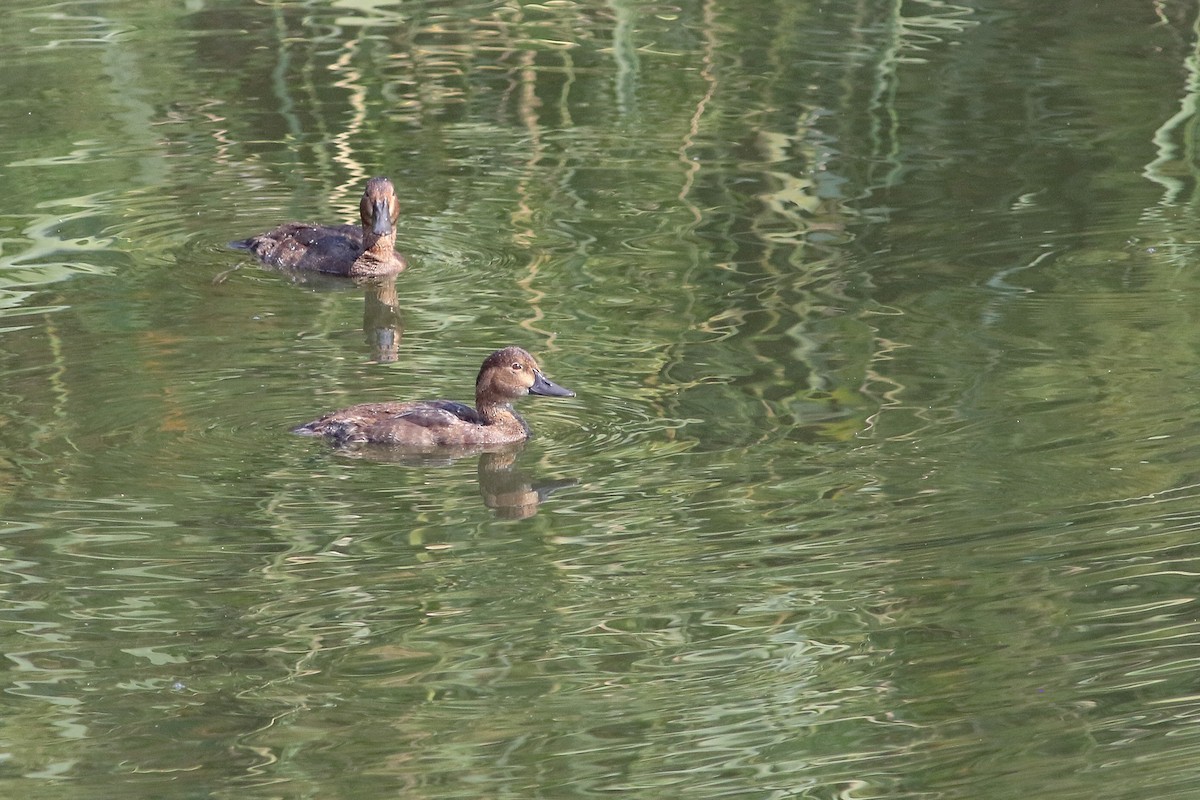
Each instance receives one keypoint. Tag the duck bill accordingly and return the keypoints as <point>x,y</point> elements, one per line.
<point>548,388</point>
<point>382,224</point>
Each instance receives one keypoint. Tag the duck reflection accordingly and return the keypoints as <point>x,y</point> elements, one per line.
<point>509,491</point>
<point>383,322</point>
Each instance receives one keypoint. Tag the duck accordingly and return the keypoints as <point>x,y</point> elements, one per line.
<point>431,425</point>
<point>338,249</point>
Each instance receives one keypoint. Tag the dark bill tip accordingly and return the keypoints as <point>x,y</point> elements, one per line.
<point>548,388</point>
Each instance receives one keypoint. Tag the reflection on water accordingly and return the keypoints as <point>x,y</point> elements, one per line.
<point>510,492</point>
<point>505,488</point>
<point>63,242</point>
<point>382,317</point>
<point>881,478</point>
<point>383,321</point>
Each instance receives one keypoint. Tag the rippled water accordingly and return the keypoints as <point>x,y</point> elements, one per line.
<point>880,480</point>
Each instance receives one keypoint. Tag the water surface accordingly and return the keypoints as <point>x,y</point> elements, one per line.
<point>880,481</point>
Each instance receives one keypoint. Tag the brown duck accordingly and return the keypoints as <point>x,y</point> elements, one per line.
<point>432,424</point>
<point>338,249</point>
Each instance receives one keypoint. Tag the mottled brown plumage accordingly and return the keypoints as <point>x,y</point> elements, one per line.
<point>431,424</point>
<point>338,249</point>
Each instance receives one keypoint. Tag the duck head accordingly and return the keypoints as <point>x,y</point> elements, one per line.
<point>379,207</point>
<point>511,373</point>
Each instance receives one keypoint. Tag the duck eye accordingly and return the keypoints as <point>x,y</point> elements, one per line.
<point>516,366</point>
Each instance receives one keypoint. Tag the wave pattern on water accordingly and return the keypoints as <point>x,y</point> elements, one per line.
<point>65,242</point>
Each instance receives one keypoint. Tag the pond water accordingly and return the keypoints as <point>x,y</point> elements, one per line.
<point>882,478</point>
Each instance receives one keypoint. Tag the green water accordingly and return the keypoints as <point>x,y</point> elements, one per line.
<point>883,475</point>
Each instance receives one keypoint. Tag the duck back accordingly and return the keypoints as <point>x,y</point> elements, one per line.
<point>297,245</point>
<point>426,424</point>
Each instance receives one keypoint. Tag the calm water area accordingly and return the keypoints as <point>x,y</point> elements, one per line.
<point>883,475</point>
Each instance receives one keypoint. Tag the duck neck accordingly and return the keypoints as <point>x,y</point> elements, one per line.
<point>376,247</point>
<point>494,413</point>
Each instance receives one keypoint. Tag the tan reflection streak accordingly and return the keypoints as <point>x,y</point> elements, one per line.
<point>888,397</point>
<point>535,299</point>
<point>527,105</point>
<point>691,168</point>
<point>352,80</point>
<point>522,218</point>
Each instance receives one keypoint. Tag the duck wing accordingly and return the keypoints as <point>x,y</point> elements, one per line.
<point>299,245</point>
<point>417,424</point>
<point>439,414</point>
